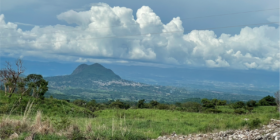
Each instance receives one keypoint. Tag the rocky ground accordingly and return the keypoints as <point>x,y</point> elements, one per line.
<point>266,132</point>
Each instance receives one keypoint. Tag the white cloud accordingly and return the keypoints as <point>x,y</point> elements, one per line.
<point>219,62</point>
<point>113,35</point>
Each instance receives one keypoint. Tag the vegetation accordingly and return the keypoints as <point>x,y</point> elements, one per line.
<point>30,113</point>
<point>114,120</point>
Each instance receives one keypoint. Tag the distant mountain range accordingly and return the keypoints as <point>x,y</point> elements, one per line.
<point>99,83</point>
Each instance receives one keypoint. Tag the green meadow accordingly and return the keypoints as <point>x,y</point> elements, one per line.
<point>133,123</point>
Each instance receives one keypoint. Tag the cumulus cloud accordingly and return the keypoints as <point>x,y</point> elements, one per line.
<point>113,35</point>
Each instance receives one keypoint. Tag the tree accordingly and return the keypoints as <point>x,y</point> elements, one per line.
<point>8,74</point>
<point>37,84</point>
<point>191,107</point>
<point>238,104</point>
<point>154,103</point>
<point>251,103</point>
<point>268,101</point>
<point>222,103</point>
<point>215,101</point>
<point>120,104</point>
<point>207,103</point>
<point>141,103</point>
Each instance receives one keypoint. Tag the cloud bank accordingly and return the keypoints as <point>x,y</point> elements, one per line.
<point>107,34</point>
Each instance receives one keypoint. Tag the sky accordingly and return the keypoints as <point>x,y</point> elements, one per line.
<point>208,34</point>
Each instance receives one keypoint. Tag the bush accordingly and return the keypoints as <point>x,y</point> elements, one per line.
<point>154,103</point>
<point>251,103</point>
<point>254,123</point>
<point>119,104</point>
<point>163,106</point>
<point>239,111</point>
<point>268,101</point>
<point>238,104</point>
<point>141,103</point>
<point>191,107</point>
<point>249,109</point>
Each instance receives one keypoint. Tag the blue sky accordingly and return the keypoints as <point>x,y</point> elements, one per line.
<point>127,32</point>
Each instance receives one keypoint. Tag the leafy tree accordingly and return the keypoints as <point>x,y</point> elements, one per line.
<point>141,103</point>
<point>222,103</point>
<point>251,103</point>
<point>120,104</point>
<point>268,101</point>
<point>214,101</point>
<point>207,103</point>
<point>154,103</point>
<point>191,107</point>
<point>238,104</point>
<point>37,84</point>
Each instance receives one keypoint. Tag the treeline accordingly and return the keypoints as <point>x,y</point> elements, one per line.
<point>206,105</point>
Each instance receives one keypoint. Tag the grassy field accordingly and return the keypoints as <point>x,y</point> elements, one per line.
<point>120,123</point>
<point>151,123</point>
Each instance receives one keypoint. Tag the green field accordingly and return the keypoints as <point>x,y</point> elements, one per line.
<point>128,124</point>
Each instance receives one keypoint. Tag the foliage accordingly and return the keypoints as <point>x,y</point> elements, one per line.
<point>251,103</point>
<point>239,111</point>
<point>254,123</point>
<point>191,107</point>
<point>163,106</point>
<point>141,104</point>
<point>207,103</point>
<point>154,103</point>
<point>119,104</point>
<point>238,105</point>
<point>268,101</point>
<point>222,102</point>
<point>249,109</point>
<point>52,107</point>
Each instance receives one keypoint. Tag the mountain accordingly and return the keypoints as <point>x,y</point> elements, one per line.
<point>95,71</point>
<point>88,76</point>
<point>99,83</point>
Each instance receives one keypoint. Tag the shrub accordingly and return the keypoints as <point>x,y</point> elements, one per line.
<point>213,110</point>
<point>254,123</point>
<point>267,101</point>
<point>238,104</point>
<point>79,102</point>
<point>154,103</point>
<point>222,103</point>
<point>163,106</point>
<point>251,103</point>
<point>249,109</point>
<point>191,107</point>
<point>239,111</point>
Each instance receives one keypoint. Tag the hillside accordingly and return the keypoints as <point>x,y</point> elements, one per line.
<point>99,83</point>
<point>48,106</point>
